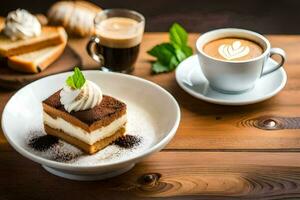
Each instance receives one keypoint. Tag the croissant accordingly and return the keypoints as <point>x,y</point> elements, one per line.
<point>77,17</point>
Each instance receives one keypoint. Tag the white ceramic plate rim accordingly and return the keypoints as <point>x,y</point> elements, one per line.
<point>225,102</point>
<point>69,166</point>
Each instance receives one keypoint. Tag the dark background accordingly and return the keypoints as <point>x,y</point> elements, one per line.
<point>265,16</point>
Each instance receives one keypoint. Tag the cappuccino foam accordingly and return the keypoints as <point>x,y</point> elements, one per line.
<point>120,32</point>
<point>233,49</point>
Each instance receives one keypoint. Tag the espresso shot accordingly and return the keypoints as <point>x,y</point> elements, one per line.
<point>126,57</point>
<point>117,40</point>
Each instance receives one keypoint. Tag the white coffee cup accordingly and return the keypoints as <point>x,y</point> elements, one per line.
<point>236,76</point>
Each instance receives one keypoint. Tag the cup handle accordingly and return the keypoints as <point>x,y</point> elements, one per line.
<point>90,49</point>
<point>275,51</point>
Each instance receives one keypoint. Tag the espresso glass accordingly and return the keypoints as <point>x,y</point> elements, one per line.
<point>115,46</point>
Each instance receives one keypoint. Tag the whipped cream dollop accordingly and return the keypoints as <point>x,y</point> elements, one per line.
<point>233,51</point>
<point>20,24</point>
<point>87,97</point>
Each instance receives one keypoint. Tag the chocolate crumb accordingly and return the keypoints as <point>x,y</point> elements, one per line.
<point>43,143</point>
<point>128,141</point>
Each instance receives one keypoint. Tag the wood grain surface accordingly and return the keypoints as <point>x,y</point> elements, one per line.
<point>219,152</point>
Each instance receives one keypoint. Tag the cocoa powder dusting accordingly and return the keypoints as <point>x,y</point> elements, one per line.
<point>128,141</point>
<point>65,156</point>
<point>43,143</point>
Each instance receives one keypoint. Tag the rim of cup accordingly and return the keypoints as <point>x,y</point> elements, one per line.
<point>104,12</point>
<point>233,32</point>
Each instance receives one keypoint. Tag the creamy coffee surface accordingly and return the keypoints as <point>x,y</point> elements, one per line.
<point>120,32</point>
<point>233,49</point>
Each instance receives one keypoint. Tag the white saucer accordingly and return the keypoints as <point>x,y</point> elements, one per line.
<point>191,79</point>
<point>153,119</point>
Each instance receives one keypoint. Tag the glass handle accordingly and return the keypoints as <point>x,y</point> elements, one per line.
<point>91,50</point>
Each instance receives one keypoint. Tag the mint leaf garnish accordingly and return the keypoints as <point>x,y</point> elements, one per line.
<point>163,52</point>
<point>178,35</point>
<point>76,80</point>
<point>170,54</point>
<point>188,51</point>
<point>157,67</point>
<point>180,55</point>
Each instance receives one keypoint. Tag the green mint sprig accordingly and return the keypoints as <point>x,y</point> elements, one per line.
<point>76,80</point>
<point>170,54</point>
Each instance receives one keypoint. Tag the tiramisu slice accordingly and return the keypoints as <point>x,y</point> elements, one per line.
<point>82,116</point>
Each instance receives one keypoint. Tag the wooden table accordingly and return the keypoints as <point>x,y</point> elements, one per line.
<point>219,152</point>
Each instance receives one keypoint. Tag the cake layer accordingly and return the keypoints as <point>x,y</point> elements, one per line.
<point>90,149</point>
<point>81,134</point>
<point>107,111</point>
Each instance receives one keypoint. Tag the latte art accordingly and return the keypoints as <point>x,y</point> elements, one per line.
<point>233,51</point>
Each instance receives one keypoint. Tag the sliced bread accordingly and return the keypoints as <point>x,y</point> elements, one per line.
<point>2,23</point>
<point>36,61</point>
<point>50,36</point>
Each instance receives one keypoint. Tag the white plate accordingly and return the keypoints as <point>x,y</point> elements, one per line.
<point>153,114</point>
<point>191,79</point>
